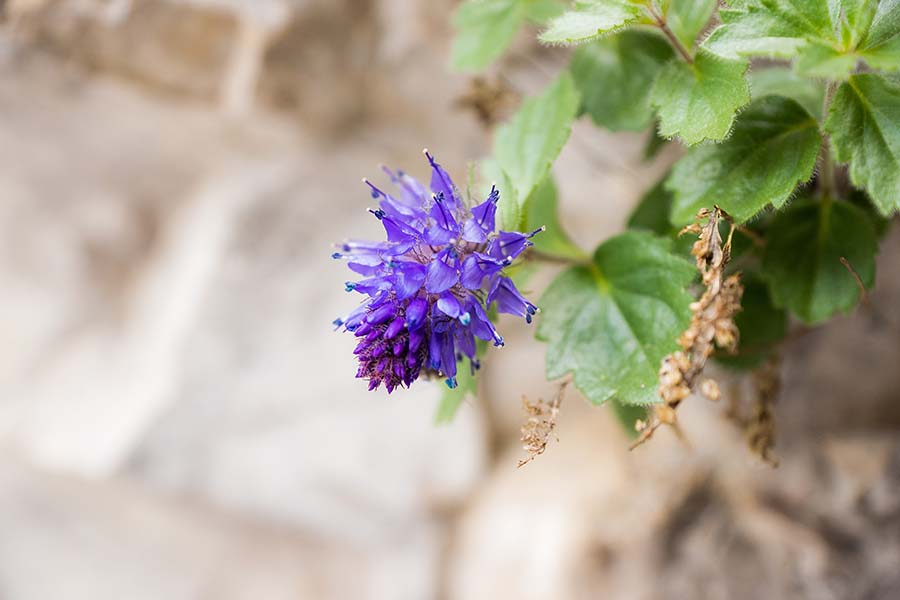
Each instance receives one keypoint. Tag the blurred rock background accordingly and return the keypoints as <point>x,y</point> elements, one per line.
<point>178,420</point>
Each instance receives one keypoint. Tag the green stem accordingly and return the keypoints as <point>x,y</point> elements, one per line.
<point>670,35</point>
<point>539,256</point>
<point>826,172</point>
<point>827,185</point>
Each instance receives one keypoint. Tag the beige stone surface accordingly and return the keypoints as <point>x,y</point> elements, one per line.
<point>178,419</point>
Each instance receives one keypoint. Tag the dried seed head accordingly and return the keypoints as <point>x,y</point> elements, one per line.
<point>712,322</point>
<point>491,101</point>
<point>710,389</point>
<point>539,425</point>
<point>760,430</point>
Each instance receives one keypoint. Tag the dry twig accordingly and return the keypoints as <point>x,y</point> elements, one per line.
<point>863,294</point>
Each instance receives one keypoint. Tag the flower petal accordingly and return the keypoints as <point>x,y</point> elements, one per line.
<point>481,223</point>
<point>481,325</point>
<point>395,327</point>
<point>409,277</point>
<point>381,314</point>
<point>510,244</point>
<point>434,350</point>
<point>444,227</point>
<point>448,355</point>
<point>415,313</point>
<point>478,266</point>
<point>442,272</point>
<point>442,184</point>
<point>465,341</point>
<point>415,341</point>
<point>509,300</point>
<point>449,305</point>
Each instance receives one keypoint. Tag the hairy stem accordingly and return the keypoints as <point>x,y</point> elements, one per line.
<point>826,162</point>
<point>537,255</point>
<point>673,39</point>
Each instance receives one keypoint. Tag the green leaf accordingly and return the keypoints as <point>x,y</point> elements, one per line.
<point>484,30</point>
<point>864,123</point>
<point>452,399</point>
<point>775,30</point>
<point>825,61</point>
<point>852,19</point>
<point>883,25</point>
<point>615,76</point>
<point>698,101</point>
<point>591,20</point>
<point>510,208</point>
<point>652,214</point>
<point>760,323</point>
<point>687,18</point>
<point>881,45</point>
<point>827,36</point>
<point>861,200</point>
<point>885,57</point>
<point>781,81</point>
<point>541,211</point>
<point>652,211</point>
<point>802,260</point>
<point>610,323</point>
<point>541,11</point>
<point>525,147</point>
<point>773,148</point>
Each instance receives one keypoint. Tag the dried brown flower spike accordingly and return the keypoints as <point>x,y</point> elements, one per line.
<point>712,324</point>
<point>540,423</point>
<point>491,102</point>
<point>760,430</point>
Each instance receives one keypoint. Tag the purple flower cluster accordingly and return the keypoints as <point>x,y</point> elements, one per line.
<point>431,283</point>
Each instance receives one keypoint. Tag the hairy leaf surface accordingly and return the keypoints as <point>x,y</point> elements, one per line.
<point>484,30</point>
<point>612,321</point>
<point>880,46</point>
<point>864,123</point>
<point>687,18</point>
<point>525,147</point>
<point>781,81</point>
<point>802,261</point>
<point>828,37</point>
<point>698,101</point>
<point>591,20</point>
<point>773,148</point>
<point>615,76</point>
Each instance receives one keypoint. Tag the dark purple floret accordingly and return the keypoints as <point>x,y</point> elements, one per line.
<point>391,348</point>
<point>431,283</point>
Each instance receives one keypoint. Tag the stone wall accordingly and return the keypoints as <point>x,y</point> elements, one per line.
<point>178,420</point>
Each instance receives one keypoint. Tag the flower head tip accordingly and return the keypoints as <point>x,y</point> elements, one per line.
<point>430,284</point>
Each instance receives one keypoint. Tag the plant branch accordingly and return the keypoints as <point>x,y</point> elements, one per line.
<point>670,35</point>
<point>537,255</point>
<point>863,294</point>
<point>826,163</point>
<point>754,237</point>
